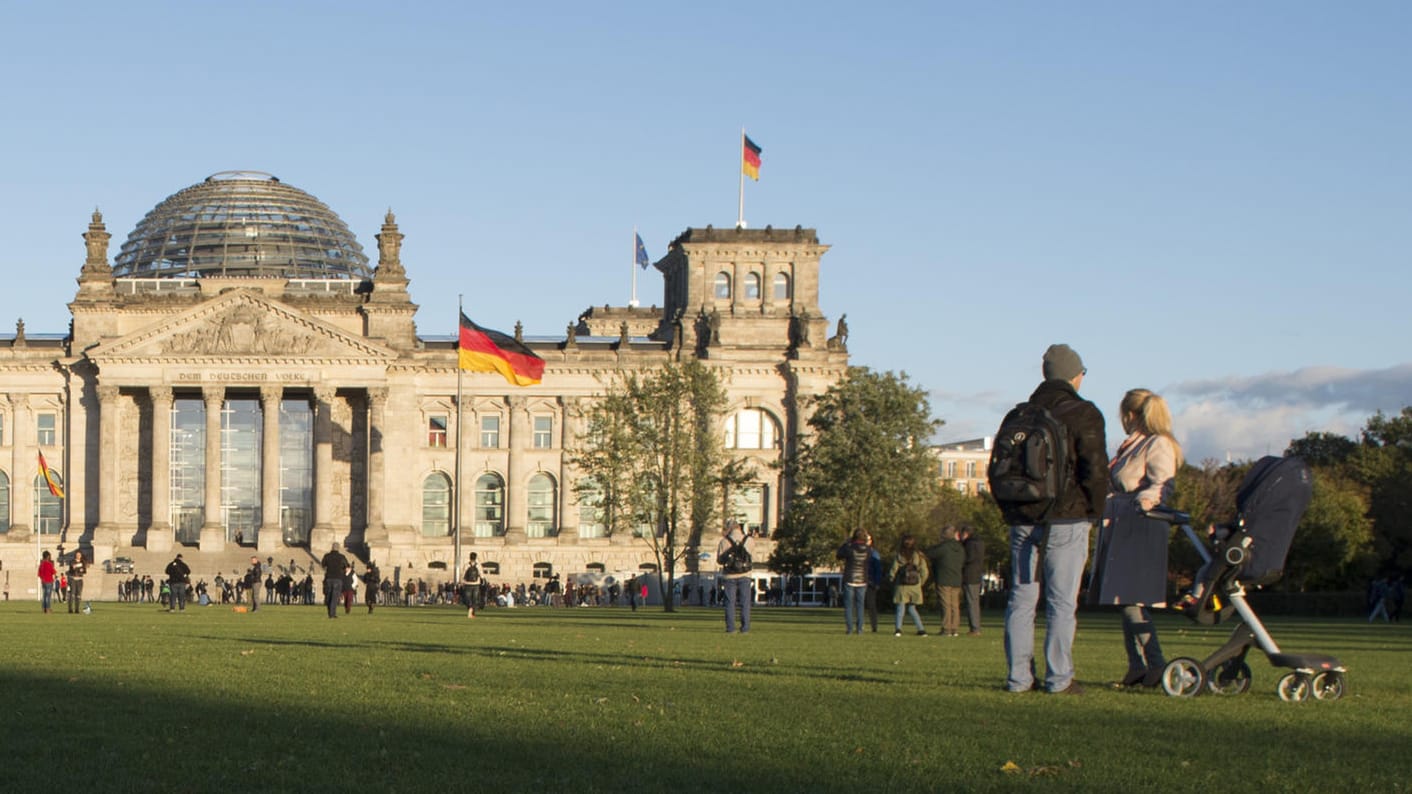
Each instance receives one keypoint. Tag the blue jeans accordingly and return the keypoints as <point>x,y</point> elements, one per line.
<point>177,599</point>
<point>738,591</point>
<point>48,595</point>
<point>1065,547</point>
<point>911,610</point>
<point>853,599</point>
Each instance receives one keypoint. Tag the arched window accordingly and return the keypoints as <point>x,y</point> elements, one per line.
<point>543,570</point>
<point>752,428</point>
<point>752,286</point>
<point>48,508</point>
<point>4,502</point>
<point>592,516</point>
<point>723,286</point>
<point>490,506</point>
<point>436,506</point>
<point>542,513</point>
<point>782,291</point>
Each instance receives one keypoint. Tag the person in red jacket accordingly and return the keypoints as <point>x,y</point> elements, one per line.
<point>47,574</point>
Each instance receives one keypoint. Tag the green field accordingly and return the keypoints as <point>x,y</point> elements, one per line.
<point>130,698</point>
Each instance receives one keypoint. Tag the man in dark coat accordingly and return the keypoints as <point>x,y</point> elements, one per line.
<point>972,574</point>
<point>335,566</point>
<point>178,575</point>
<point>1062,535</point>
<point>947,558</point>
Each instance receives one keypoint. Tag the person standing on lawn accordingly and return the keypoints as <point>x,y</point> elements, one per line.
<point>252,582</point>
<point>335,566</point>
<point>178,575</point>
<point>1057,526</point>
<point>972,576</point>
<point>733,557</point>
<point>855,554</point>
<point>947,559</point>
<point>47,574</point>
<point>77,569</point>
<point>908,572</point>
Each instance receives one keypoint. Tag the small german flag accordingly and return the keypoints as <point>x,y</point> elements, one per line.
<point>49,478</point>
<point>750,157</point>
<point>484,350</point>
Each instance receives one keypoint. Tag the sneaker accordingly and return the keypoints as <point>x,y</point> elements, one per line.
<point>1072,689</point>
<point>975,633</point>
<point>897,634</point>
<point>921,634</point>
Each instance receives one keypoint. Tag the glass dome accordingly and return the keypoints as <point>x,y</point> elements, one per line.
<point>241,223</point>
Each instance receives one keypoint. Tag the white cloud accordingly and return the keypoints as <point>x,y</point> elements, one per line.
<point>1244,417</point>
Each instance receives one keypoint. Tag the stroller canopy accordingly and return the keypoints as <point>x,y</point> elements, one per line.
<point>1271,500</point>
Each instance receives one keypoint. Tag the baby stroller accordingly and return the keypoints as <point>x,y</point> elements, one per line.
<point>1250,553</point>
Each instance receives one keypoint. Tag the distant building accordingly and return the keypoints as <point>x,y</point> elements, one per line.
<point>241,378</point>
<point>962,464</point>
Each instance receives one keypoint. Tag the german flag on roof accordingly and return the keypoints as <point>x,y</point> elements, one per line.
<point>484,350</point>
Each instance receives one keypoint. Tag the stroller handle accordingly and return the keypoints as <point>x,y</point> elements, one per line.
<point>1173,517</point>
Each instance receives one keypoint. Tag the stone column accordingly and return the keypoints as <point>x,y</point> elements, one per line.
<point>322,535</point>
<point>569,414</point>
<point>110,467</point>
<point>376,531</point>
<point>160,534</point>
<point>518,437</point>
<point>270,538</point>
<point>22,459</point>
<point>213,533</point>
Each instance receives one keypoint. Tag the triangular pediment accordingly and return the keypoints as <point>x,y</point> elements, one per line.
<point>239,326</point>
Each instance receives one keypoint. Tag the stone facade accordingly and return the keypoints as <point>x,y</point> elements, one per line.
<point>99,403</point>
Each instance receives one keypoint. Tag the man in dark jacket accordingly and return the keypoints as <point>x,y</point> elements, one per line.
<point>947,558</point>
<point>335,567</point>
<point>1062,536</point>
<point>178,575</point>
<point>972,574</point>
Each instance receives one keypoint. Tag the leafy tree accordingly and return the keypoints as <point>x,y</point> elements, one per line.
<point>1333,547</point>
<point>982,515</point>
<point>1383,462</point>
<point>653,446</point>
<point>1323,449</point>
<point>864,464</point>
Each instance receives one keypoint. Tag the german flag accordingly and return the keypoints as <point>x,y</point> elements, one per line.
<point>750,158</point>
<point>49,478</point>
<point>484,350</point>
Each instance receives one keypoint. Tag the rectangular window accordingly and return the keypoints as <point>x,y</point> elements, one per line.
<point>970,468</point>
<point>436,431</point>
<point>543,432</point>
<point>490,432</point>
<point>46,430</point>
<point>951,470</point>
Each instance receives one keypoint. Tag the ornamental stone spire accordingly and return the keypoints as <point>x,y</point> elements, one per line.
<point>390,248</point>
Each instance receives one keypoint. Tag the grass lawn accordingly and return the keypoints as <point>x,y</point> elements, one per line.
<point>130,698</point>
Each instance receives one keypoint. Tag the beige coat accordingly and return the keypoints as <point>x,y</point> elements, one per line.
<point>1130,555</point>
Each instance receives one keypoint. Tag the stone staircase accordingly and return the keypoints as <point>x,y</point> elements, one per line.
<point>230,563</point>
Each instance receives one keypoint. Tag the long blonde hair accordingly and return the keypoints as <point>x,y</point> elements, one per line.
<point>1152,416</point>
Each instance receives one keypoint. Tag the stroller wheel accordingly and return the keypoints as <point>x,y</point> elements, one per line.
<point>1231,678</point>
<point>1293,688</point>
<point>1327,686</point>
<point>1183,678</point>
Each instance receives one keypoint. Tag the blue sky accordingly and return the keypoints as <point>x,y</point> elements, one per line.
<point>1208,199</point>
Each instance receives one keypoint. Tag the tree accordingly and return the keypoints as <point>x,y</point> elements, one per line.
<point>1333,547</point>
<point>1383,462</point>
<point>982,514</point>
<point>654,450</point>
<point>865,463</point>
<point>1322,449</point>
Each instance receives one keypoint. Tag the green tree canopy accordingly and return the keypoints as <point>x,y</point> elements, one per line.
<point>865,463</point>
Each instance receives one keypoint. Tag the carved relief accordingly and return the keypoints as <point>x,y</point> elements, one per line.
<point>246,330</point>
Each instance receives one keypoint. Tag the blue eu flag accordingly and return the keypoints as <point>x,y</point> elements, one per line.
<point>641,254</point>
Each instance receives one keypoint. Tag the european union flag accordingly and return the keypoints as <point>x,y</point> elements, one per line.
<point>641,254</point>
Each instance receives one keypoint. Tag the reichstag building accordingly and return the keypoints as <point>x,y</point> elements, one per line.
<point>241,379</point>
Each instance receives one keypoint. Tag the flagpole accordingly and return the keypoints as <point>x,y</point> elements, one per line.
<point>740,205</point>
<point>633,267</point>
<point>460,415</point>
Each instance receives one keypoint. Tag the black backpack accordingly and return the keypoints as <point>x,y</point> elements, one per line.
<point>1029,464</point>
<point>736,558</point>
